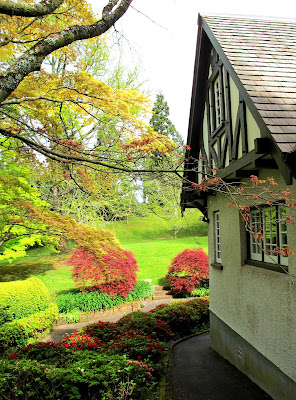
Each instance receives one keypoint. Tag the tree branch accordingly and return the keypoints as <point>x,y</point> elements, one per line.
<point>70,158</point>
<point>22,9</point>
<point>32,59</point>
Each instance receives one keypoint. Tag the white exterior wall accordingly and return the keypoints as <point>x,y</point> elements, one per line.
<point>258,304</point>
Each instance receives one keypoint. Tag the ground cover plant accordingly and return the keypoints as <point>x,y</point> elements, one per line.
<point>123,360</point>
<point>94,301</point>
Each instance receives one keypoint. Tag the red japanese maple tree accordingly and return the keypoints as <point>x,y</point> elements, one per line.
<point>187,270</point>
<point>113,273</point>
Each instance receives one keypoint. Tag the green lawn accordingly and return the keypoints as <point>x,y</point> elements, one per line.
<point>153,256</point>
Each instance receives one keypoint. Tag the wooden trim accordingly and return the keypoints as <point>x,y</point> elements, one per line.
<point>240,163</point>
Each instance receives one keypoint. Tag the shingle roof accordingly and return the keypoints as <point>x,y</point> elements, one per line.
<point>263,55</point>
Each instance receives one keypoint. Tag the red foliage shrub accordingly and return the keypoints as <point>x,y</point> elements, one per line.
<point>113,272</point>
<point>187,270</point>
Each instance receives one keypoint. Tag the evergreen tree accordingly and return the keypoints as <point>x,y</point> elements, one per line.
<point>161,123</point>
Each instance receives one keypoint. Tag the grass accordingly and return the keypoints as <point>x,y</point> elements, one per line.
<point>151,243</point>
<point>151,228</point>
<point>154,256</point>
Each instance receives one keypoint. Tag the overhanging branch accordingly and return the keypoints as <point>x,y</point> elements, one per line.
<point>23,9</point>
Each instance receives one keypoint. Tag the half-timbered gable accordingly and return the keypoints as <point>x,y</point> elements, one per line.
<point>242,124</point>
<point>243,110</point>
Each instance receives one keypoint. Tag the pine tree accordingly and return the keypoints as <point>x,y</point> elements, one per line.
<point>161,123</point>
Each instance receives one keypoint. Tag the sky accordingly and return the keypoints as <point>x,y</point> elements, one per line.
<point>159,37</point>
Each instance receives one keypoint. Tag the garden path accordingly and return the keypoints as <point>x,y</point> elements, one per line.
<point>60,331</point>
<point>195,371</point>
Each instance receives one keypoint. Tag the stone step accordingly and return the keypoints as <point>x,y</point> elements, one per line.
<point>163,297</point>
<point>162,292</point>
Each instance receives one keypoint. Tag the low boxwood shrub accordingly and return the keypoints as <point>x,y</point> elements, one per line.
<point>94,301</point>
<point>187,270</point>
<point>19,299</point>
<point>20,331</point>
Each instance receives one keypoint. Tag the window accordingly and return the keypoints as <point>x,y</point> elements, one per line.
<point>217,237</point>
<point>217,102</point>
<point>269,234</point>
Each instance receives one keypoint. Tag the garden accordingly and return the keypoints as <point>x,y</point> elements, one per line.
<point>122,360</point>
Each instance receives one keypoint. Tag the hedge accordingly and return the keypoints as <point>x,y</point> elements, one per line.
<point>20,332</point>
<point>19,299</point>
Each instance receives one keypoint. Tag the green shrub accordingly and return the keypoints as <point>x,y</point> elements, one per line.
<point>93,301</point>
<point>19,299</point>
<point>82,375</point>
<point>184,317</point>
<point>72,316</point>
<point>20,331</point>
<point>140,292</point>
<point>200,292</point>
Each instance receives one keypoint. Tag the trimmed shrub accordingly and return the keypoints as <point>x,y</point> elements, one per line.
<point>188,269</point>
<point>20,331</point>
<point>94,301</point>
<point>113,272</point>
<point>19,299</point>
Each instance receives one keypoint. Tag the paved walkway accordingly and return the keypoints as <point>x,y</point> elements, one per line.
<point>196,372</point>
<point>60,331</point>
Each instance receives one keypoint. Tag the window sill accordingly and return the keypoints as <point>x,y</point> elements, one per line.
<point>217,266</point>
<point>271,267</point>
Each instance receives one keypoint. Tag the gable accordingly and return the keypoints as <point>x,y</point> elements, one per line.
<point>255,128</point>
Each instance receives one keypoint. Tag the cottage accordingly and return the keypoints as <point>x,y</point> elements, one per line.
<point>243,123</point>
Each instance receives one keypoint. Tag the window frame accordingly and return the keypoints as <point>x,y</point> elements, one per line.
<point>271,229</point>
<point>217,237</point>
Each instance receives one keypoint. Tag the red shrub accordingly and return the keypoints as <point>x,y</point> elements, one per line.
<point>111,273</point>
<point>187,270</point>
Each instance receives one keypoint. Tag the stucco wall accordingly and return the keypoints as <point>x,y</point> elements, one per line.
<point>258,304</point>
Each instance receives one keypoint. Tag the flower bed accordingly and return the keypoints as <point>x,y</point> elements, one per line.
<point>76,306</point>
<point>123,360</point>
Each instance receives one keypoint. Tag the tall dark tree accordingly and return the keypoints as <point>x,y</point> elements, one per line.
<point>161,123</point>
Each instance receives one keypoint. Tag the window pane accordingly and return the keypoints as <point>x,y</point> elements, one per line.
<point>218,101</point>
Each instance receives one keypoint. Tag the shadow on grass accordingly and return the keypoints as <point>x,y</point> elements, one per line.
<point>162,282</point>
<point>24,269</point>
<point>72,290</point>
<point>37,262</point>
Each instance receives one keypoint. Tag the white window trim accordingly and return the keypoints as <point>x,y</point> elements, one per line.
<point>275,236</point>
<point>217,237</point>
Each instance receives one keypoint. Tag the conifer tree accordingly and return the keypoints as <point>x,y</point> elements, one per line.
<point>161,123</point>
